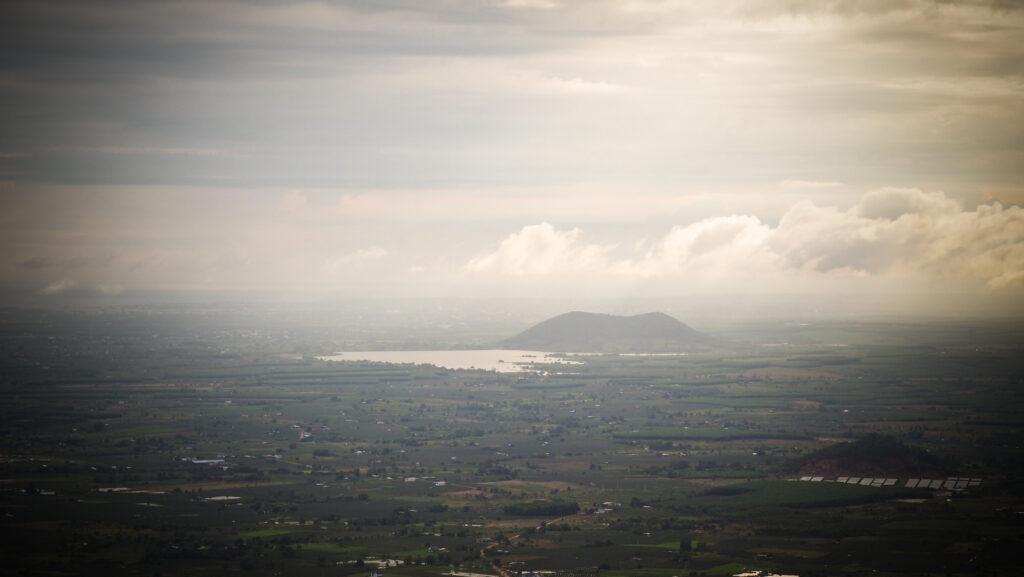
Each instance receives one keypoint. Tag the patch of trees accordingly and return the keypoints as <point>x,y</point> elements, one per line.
<point>674,469</point>
<point>497,469</point>
<point>544,527</point>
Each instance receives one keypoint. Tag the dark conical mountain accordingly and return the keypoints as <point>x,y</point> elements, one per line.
<point>580,332</point>
<point>877,455</point>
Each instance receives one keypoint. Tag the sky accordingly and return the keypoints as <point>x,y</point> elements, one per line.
<point>515,148</point>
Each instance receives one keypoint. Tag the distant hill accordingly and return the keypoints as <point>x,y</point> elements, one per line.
<point>873,455</point>
<point>580,332</point>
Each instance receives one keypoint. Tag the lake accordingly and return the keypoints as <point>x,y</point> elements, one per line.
<point>502,361</point>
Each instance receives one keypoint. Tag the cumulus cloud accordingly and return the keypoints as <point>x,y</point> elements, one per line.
<point>713,247</point>
<point>889,233</point>
<point>892,203</point>
<point>542,250</point>
<point>907,230</point>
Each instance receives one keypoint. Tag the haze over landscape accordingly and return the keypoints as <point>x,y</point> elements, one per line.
<point>608,288</point>
<point>866,156</point>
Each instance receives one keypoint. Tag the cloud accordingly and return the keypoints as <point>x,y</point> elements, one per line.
<point>58,287</point>
<point>542,250</point>
<point>892,203</point>
<point>522,92</point>
<point>900,233</point>
<point>717,247</point>
<point>678,135</point>
<point>702,249</point>
<point>896,230</point>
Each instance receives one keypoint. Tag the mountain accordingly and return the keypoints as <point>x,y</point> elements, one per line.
<point>876,455</point>
<point>580,332</point>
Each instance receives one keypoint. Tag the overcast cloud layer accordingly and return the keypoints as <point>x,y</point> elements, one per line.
<point>513,147</point>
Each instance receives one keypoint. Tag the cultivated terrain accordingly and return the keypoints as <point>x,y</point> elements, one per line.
<point>213,442</point>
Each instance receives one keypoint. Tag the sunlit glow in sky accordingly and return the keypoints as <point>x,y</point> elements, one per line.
<point>516,147</point>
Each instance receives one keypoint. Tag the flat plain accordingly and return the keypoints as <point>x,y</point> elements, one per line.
<point>169,442</point>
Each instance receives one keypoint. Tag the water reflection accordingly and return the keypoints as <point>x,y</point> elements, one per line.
<point>502,361</point>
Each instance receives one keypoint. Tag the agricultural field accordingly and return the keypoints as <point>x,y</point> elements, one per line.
<point>139,443</point>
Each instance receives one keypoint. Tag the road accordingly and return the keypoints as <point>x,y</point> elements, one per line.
<point>495,562</point>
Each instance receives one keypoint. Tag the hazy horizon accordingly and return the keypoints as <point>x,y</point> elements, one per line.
<point>833,159</point>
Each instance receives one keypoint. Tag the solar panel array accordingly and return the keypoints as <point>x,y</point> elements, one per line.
<point>949,484</point>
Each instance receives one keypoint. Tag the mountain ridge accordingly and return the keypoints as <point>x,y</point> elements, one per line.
<point>584,332</point>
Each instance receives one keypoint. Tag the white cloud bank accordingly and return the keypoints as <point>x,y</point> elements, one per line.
<point>892,234</point>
